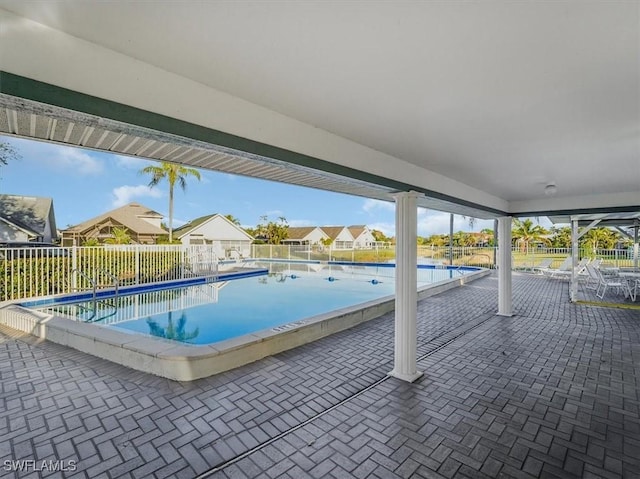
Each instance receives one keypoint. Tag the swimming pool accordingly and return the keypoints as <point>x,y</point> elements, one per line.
<point>195,328</point>
<point>211,312</point>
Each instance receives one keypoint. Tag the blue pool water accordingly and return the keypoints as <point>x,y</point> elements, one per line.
<point>211,312</point>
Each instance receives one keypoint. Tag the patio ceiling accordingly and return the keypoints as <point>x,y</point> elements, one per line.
<point>42,122</point>
<point>478,105</point>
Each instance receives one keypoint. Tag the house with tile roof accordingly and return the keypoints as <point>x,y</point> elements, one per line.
<point>228,239</point>
<point>142,224</point>
<point>27,218</point>
<point>305,235</point>
<point>341,237</point>
<point>362,236</point>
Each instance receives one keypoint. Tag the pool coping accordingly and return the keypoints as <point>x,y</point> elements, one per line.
<point>186,362</point>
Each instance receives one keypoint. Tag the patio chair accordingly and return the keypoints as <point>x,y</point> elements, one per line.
<point>611,281</point>
<point>633,293</point>
<point>633,285</point>
<point>592,277</point>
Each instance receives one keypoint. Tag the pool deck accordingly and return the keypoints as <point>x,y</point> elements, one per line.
<point>551,392</point>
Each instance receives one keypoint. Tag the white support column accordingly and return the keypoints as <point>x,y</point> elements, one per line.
<point>504,267</point>
<point>636,247</point>
<point>574,261</point>
<point>405,361</point>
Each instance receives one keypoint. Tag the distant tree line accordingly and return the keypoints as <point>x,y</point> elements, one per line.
<point>527,235</point>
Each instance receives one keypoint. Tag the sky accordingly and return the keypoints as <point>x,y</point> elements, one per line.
<point>86,183</point>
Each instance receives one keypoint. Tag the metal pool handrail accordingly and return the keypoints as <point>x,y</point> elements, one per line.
<point>94,288</point>
<point>91,280</point>
<point>479,255</point>
<point>116,280</point>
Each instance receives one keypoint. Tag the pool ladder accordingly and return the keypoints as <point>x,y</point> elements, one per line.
<point>94,296</point>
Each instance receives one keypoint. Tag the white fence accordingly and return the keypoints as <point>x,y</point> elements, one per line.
<point>470,256</point>
<point>39,271</point>
<point>426,254</point>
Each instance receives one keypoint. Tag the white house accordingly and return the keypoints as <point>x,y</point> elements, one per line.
<point>227,238</point>
<point>340,235</point>
<point>307,235</point>
<point>362,236</point>
<point>27,218</point>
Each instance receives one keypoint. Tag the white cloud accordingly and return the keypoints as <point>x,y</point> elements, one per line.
<point>370,205</point>
<point>132,163</point>
<point>127,193</point>
<point>58,157</point>
<point>66,157</point>
<point>437,222</point>
<point>78,160</point>
<point>389,229</point>
<point>429,222</point>
<point>298,223</point>
<point>276,213</point>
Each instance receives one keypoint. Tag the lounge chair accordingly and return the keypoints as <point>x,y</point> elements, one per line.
<point>544,265</point>
<point>564,270</point>
<point>564,266</point>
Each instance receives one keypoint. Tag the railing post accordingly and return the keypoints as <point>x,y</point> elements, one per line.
<point>636,252</point>
<point>187,252</point>
<point>136,258</point>
<point>74,268</point>
<point>573,289</point>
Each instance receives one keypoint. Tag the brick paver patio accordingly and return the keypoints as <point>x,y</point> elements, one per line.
<point>550,392</point>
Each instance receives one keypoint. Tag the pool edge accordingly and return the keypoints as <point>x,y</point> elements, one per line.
<point>184,362</point>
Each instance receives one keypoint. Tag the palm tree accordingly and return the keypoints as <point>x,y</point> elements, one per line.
<point>173,173</point>
<point>561,237</point>
<point>233,219</point>
<point>273,232</point>
<point>525,233</point>
<point>176,332</point>
<point>488,236</point>
<point>7,152</point>
<point>119,236</point>
<point>600,238</point>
